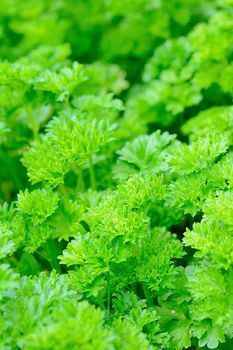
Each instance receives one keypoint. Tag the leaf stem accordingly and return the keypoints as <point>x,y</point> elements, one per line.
<point>101,303</point>
<point>108,293</point>
<point>80,185</point>
<point>32,121</point>
<point>147,294</point>
<point>92,174</point>
<point>51,250</point>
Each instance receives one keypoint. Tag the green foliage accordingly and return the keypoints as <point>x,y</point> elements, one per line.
<point>146,152</point>
<point>116,178</point>
<point>188,71</point>
<point>215,119</point>
<point>198,155</point>
<point>71,139</point>
<point>213,236</point>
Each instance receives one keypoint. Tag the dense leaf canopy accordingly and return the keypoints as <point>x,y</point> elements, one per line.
<point>116,178</point>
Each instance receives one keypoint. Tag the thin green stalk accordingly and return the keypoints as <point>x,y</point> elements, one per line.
<point>80,184</point>
<point>32,121</point>
<point>147,294</point>
<point>42,256</point>
<point>108,293</point>
<point>101,303</point>
<point>134,287</point>
<point>51,250</point>
<point>92,174</point>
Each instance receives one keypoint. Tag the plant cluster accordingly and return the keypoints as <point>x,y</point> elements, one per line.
<point>116,179</point>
